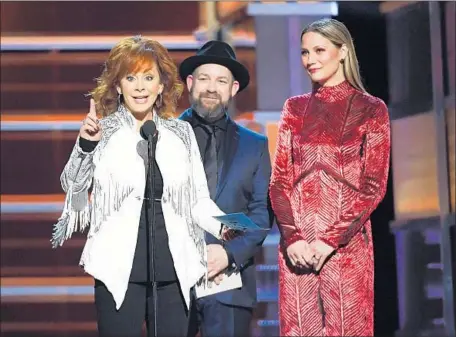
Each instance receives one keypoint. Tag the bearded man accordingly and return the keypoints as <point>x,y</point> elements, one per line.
<point>238,168</point>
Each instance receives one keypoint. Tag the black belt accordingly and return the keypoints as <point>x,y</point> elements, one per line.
<point>154,199</point>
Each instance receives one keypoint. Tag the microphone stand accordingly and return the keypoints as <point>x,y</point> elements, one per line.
<point>150,229</point>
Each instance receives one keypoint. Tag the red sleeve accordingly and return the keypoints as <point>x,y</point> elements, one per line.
<point>281,184</point>
<point>359,204</point>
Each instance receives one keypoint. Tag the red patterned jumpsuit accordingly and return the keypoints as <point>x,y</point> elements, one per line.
<point>329,175</point>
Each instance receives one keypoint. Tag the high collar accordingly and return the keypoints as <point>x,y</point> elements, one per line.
<point>333,93</point>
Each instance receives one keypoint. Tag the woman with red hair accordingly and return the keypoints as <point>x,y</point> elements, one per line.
<point>139,83</point>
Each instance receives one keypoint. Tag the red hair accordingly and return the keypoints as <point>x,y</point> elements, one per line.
<point>130,56</point>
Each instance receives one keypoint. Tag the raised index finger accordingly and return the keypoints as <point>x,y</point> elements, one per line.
<point>92,110</point>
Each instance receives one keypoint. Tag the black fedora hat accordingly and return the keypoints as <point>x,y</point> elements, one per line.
<point>217,52</point>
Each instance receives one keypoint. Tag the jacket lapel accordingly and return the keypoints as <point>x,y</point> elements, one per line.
<point>231,145</point>
<point>186,115</point>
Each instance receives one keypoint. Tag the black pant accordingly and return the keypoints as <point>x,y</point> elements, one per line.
<point>216,319</point>
<point>137,308</point>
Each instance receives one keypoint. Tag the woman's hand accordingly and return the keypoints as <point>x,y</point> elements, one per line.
<point>300,254</point>
<point>91,129</point>
<point>321,252</point>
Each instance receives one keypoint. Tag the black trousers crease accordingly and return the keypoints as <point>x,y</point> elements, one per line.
<point>137,310</point>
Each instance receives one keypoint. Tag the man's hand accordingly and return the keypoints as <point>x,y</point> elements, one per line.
<point>321,252</point>
<point>300,254</point>
<point>217,260</point>
<point>218,278</point>
<point>230,234</point>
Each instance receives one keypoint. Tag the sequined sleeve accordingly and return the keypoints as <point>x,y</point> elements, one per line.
<point>357,205</point>
<point>76,179</point>
<point>282,181</point>
<point>78,171</point>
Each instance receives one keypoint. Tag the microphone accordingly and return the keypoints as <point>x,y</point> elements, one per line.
<point>149,132</point>
<point>148,129</point>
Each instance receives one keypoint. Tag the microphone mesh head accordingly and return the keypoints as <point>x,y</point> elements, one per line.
<point>147,129</point>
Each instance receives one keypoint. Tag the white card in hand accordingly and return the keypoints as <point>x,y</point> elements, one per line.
<point>229,281</point>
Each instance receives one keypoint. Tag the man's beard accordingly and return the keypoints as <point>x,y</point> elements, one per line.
<point>212,113</point>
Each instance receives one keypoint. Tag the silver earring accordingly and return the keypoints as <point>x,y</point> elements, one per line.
<point>118,99</point>
<point>159,101</point>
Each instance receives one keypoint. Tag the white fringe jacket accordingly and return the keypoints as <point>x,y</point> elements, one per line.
<point>117,170</point>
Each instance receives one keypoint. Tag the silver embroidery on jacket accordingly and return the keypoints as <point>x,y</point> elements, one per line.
<point>179,196</point>
<point>76,179</point>
<point>107,195</point>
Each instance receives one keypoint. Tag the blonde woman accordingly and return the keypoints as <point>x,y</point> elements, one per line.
<point>330,173</point>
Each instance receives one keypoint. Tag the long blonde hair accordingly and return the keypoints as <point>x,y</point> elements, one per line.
<point>336,32</point>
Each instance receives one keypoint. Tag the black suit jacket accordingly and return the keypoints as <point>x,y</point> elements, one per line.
<point>243,187</point>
